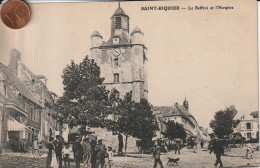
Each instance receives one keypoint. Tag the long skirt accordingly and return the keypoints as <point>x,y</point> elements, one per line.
<point>54,163</point>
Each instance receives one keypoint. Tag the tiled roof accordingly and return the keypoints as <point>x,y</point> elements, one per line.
<point>124,39</point>
<point>167,110</point>
<point>18,84</point>
<point>182,109</point>
<point>48,97</point>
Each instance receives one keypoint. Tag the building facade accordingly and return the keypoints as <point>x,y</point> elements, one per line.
<point>180,114</point>
<point>248,127</point>
<point>22,99</point>
<point>123,58</point>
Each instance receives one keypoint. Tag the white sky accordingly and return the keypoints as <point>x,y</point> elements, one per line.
<point>208,56</point>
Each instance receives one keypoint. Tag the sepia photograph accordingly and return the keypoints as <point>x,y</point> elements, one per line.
<point>129,84</point>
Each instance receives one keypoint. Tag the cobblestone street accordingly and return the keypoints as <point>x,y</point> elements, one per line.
<point>201,159</point>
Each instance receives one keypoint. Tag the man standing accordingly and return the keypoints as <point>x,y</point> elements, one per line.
<point>177,147</point>
<point>120,144</point>
<point>87,153</point>
<point>50,148</point>
<point>156,155</point>
<point>78,151</point>
<point>218,150</point>
<point>201,143</point>
<point>100,154</point>
<point>93,154</point>
<point>58,150</point>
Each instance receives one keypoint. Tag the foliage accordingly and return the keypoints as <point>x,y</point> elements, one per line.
<point>224,122</point>
<point>255,114</point>
<point>85,101</point>
<point>174,130</point>
<point>135,119</point>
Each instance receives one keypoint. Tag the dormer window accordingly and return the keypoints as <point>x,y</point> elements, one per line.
<point>116,40</point>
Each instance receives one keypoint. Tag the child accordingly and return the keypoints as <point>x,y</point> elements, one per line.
<point>66,154</point>
<point>249,151</point>
<point>109,158</point>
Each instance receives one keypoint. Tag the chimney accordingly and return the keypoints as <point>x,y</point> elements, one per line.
<point>15,57</point>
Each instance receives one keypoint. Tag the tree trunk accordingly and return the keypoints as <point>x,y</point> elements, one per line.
<point>126,137</point>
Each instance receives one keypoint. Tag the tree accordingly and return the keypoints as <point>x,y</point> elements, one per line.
<point>135,119</point>
<point>255,114</point>
<point>174,130</point>
<point>224,122</point>
<point>84,101</point>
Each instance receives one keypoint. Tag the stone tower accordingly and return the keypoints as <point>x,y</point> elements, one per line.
<point>123,58</point>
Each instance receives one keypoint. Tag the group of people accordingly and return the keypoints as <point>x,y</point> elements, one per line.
<point>36,146</point>
<point>94,154</point>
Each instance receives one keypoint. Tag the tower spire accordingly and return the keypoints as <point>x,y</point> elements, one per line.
<point>119,4</point>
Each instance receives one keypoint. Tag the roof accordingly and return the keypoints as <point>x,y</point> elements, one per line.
<point>136,30</point>
<point>124,39</point>
<point>18,84</point>
<point>96,34</point>
<point>166,110</point>
<point>48,96</point>
<point>119,11</point>
<point>182,109</point>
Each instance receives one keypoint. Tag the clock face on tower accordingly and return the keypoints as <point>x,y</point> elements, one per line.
<point>116,52</point>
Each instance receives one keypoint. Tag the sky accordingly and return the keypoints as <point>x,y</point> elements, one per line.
<point>207,56</point>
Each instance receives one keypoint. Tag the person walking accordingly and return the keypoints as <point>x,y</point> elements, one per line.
<point>120,144</point>
<point>177,147</point>
<point>58,150</point>
<point>87,149</point>
<point>156,155</point>
<point>201,143</point>
<point>50,148</point>
<point>100,154</point>
<point>249,151</point>
<point>66,155</point>
<point>78,151</point>
<point>218,149</point>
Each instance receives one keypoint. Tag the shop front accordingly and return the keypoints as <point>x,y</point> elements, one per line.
<point>17,134</point>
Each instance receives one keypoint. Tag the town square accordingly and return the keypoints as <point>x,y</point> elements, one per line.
<point>125,87</point>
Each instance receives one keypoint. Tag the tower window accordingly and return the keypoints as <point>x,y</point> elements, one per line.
<point>116,62</point>
<point>116,77</point>
<point>118,23</point>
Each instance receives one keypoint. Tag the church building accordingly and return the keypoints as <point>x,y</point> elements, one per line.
<point>122,58</point>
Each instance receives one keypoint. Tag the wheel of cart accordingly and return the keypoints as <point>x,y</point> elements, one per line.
<point>144,146</point>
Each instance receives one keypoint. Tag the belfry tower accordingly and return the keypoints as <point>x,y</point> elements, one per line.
<point>123,58</point>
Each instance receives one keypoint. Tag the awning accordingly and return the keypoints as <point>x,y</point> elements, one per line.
<point>13,125</point>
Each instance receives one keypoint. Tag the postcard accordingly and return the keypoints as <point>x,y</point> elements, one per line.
<point>130,84</point>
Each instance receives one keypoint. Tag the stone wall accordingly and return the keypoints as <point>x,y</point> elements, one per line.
<point>112,140</point>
